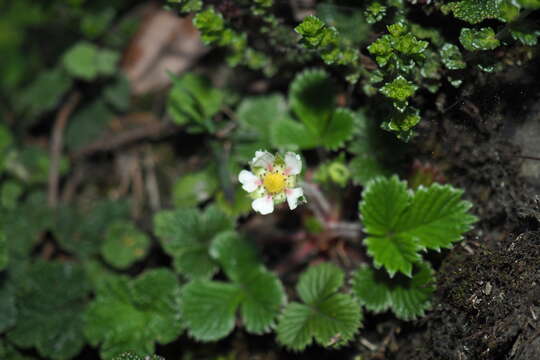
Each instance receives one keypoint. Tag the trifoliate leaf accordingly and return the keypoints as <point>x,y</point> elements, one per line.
<point>408,298</point>
<point>186,234</point>
<point>329,317</point>
<point>451,57</point>
<point>45,92</point>
<point>400,223</point>
<point>86,61</point>
<point>124,244</point>
<point>81,231</point>
<point>312,99</point>
<point>475,11</point>
<point>50,301</point>
<point>482,39</point>
<point>210,307</point>
<point>193,98</point>
<point>399,89</point>
<point>133,314</point>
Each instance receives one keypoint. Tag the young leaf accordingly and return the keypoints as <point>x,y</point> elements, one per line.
<point>408,298</point>
<point>186,234</point>
<point>400,223</point>
<point>192,98</point>
<point>133,314</point>
<point>399,89</point>
<point>50,301</point>
<point>329,317</point>
<point>482,39</point>
<point>210,307</point>
<point>124,244</point>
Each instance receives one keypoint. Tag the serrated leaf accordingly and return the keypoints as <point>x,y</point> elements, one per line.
<point>259,113</point>
<point>313,30</point>
<point>482,39</point>
<point>475,11</point>
<point>194,99</point>
<point>312,98</point>
<point>399,89</point>
<point>408,298</point>
<point>293,135</point>
<point>50,301</point>
<point>186,234</point>
<point>375,12</point>
<point>400,223</point>
<point>124,244</point>
<point>133,314</point>
<point>451,57</point>
<point>437,217</point>
<point>331,318</point>
<point>235,255</point>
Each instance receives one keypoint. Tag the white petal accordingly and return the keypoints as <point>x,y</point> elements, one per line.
<point>292,197</point>
<point>263,159</point>
<point>249,181</point>
<point>264,205</point>
<point>293,163</point>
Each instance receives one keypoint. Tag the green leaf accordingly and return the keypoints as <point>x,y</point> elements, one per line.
<point>124,244</point>
<point>451,57</point>
<point>86,61</point>
<point>50,301</point>
<point>482,39</point>
<point>87,125</point>
<point>313,31</point>
<point>194,188</point>
<point>399,89</point>
<point>10,192</point>
<point>45,92</point>
<point>211,25</point>
<point>400,223</point>
<point>475,11</point>
<point>194,99</point>
<point>133,314</point>
<point>408,298</point>
<point>293,135</point>
<point>132,356</point>
<point>526,33</point>
<point>186,234</point>
<point>312,98</point>
<point>8,309</point>
<point>81,230</point>
<point>329,317</point>
<point>258,114</point>
<point>118,94</point>
<point>4,254</point>
<point>375,12</point>
<point>96,24</point>
<point>210,307</point>
<point>339,129</point>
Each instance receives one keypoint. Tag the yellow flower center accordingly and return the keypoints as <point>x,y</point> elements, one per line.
<point>274,182</point>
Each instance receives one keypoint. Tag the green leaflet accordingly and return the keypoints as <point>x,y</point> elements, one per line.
<point>124,244</point>
<point>50,300</point>
<point>329,317</point>
<point>133,314</point>
<point>408,298</point>
<point>209,307</point>
<point>482,39</point>
<point>186,234</point>
<point>400,223</point>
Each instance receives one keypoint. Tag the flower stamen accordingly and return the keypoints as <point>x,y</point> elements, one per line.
<point>274,182</point>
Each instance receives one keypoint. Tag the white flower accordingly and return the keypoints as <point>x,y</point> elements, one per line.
<point>272,181</point>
